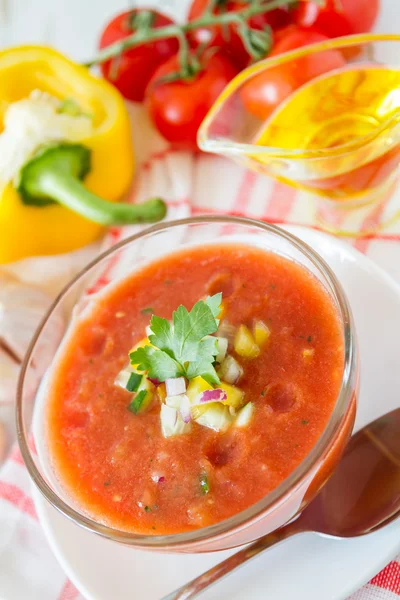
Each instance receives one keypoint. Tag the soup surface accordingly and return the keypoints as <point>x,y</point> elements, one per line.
<point>117,464</point>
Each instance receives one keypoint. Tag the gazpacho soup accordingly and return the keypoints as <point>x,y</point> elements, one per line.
<point>193,388</point>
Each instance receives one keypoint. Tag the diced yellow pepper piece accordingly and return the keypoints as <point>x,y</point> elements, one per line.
<point>199,409</point>
<point>143,397</point>
<point>196,387</point>
<point>52,229</point>
<point>212,415</point>
<point>235,396</point>
<point>244,343</point>
<point>261,333</point>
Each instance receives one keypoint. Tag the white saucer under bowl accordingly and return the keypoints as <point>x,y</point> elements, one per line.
<point>307,567</point>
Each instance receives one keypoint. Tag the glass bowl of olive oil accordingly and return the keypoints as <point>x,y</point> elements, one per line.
<point>324,118</point>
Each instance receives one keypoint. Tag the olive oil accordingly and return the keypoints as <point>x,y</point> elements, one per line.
<point>348,122</point>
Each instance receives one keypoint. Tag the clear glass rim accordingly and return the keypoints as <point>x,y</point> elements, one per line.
<point>271,500</point>
<point>225,147</point>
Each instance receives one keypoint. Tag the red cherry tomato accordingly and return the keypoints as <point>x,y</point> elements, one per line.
<point>230,41</point>
<point>177,108</point>
<point>337,17</point>
<point>262,94</point>
<point>292,37</point>
<point>132,71</point>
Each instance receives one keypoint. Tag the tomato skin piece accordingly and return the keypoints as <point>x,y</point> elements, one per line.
<point>337,17</point>
<point>131,72</point>
<point>178,108</point>
<point>262,94</point>
<point>231,42</point>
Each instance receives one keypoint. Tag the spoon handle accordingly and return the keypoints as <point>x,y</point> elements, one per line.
<point>200,583</point>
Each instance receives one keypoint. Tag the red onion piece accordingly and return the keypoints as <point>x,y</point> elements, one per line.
<point>169,421</point>
<point>180,403</point>
<point>226,330</point>
<point>184,409</point>
<point>216,395</point>
<point>230,370</point>
<point>154,381</point>
<point>222,349</point>
<point>175,386</point>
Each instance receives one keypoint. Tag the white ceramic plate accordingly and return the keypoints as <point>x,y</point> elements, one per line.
<point>307,567</point>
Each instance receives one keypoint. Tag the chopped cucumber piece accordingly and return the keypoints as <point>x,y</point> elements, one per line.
<point>245,415</point>
<point>134,382</point>
<point>138,403</point>
<point>143,397</point>
<point>122,378</point>
<point>215,416</point>
<point>222,345</point>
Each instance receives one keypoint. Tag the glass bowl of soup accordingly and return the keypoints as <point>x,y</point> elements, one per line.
<point>203,391</point>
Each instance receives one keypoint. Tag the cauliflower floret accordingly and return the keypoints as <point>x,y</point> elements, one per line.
<point>31,123</point>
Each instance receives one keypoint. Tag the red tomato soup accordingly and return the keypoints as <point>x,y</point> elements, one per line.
<point>118,465</point>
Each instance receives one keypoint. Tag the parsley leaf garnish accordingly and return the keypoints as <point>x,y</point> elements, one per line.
<point>214,304</point>
<point>158,363</point>
<point>185,346</point>
<point>203,364</point>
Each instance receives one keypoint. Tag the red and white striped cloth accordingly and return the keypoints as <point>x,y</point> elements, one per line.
<point>191,185</point>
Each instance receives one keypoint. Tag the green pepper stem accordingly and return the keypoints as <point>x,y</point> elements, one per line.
<point>208,19</point>
<point>71,193</point>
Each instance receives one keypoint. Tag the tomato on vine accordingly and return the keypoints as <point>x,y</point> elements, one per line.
<point>335,18</point>
<point>228,38</point>
<point>264,92</point>
<point>178,107</point>
<point>144,50</point>
<point>131,70</point>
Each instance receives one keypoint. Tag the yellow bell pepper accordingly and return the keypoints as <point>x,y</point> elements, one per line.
<point>27,230</point>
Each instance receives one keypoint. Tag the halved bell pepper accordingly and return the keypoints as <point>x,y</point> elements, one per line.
<point>106,160</point>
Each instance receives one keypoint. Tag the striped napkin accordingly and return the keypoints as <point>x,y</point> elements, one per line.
<point>192,185</point>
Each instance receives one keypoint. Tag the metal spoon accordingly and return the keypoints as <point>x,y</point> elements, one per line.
<point>362,496</point>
